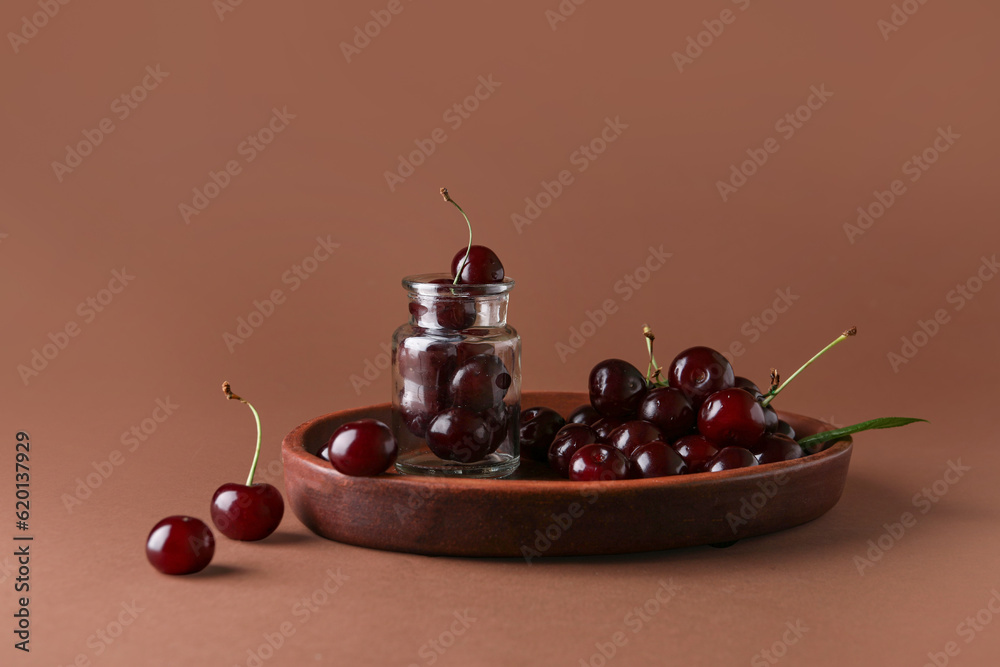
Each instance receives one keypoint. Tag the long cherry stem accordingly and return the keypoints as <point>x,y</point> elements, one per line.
<point>461,265</point>
<point>228,391</point>
<point>653,369</point>
<point>776,390</point>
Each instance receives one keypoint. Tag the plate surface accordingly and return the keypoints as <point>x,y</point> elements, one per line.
<point>534,514</point>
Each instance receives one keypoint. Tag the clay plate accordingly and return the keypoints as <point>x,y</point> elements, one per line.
<point>534,513</point>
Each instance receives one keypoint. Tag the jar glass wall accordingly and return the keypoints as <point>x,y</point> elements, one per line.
<point>456,381</point>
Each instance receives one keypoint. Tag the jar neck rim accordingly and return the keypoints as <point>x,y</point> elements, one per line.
<point>439,284</point>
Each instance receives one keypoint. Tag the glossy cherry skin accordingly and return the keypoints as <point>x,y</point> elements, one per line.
<point>696,450</point>
<point>699,372</point>
<point>426,363</point>
<point>616,388</point>
<point>631,434</point>
<point>585,414</point>
<point>597,462</point>
<point>498,421</point>
<point>770,419</point>
<point>362,448</point>
<point>784,428</point>
<point>538,429</point>
<point>247,513</point>
<point>656,459</point>
<point>740,382</point>
<point>460,435</point>
<point>773,447</point>
<point>483,266</point>
<point>731,417</point>
<point>670,411</point>
<point>418,405</point>
<point>452,313</point>
<point>730,458</point>
<point>570,438</point>
<point>604,426</point>
<point>180,545</point>
<point>480,383</point>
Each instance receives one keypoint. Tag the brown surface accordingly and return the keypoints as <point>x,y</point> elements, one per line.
<point>535,513</point>
<point>655,185</point>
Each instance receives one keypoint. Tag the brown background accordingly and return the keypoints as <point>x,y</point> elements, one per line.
<point>323,176</point>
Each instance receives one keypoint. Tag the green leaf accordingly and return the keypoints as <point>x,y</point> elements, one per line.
<point>811,441</point>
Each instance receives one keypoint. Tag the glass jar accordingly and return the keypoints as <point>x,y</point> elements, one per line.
<point>456,380</point>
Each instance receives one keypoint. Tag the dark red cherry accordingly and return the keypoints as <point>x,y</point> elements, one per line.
<point>696,450</point>
<point>570,438</point>
<point>538,429</point>
<point>616,388</point>
<point>467,349</point>
<point>604,426</point>
<point>597,462</point>
<point>585,414</point>
<point>784,428</point>
<point>362,448</point>
<point>455,313</point>
<point>656,459</point>
<point>773,447</point>
<point>460,435</point>
<point>730,458</point>
<point>670,411</point>
<point>426,362</point>
<point>247,513</point>
<point>419,404</point>
<point>770,419</point>
<point>180,545</point>
<point>700,371</point>
<point>480,383</point>
<point>481,268</point>
<point>731,417</point>
<point>498,421</point>
<point>631,434</point>
<point>745,384</point>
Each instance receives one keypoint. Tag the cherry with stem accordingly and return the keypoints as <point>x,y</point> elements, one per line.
<point>247,512</point>
<point>461,266</point>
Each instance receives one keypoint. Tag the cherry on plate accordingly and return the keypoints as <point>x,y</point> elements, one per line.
<point>362,448</point>
<point>538,429</point>
<point>656,459</point>
<point>774,447</point>
<point>631,434</point>
<point>696,450</point>
<point>597,462</point>
<point>585,414</point>
<point>670,411</point>
<point>700,371</point>
<point>730,458</point>
<point>616,388</point>
<point>731,417</point>
<point>570,438</point>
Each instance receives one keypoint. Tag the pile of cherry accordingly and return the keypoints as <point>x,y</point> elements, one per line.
<point>702,419</point>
